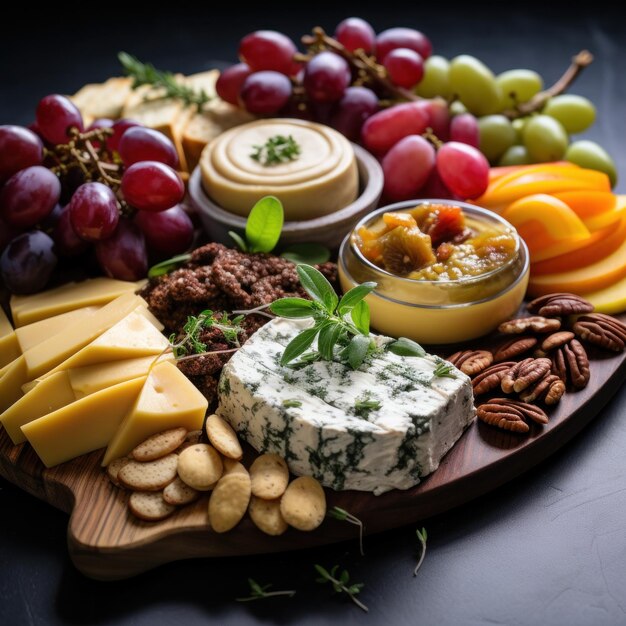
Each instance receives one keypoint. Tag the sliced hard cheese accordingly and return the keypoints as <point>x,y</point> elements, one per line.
<point>93,292</point>
<point>33,334</point>
<point>9,347</point>
<point>52,394</point>
<point>83,426</point>
<point>12,377</point>
<point>168,400</point>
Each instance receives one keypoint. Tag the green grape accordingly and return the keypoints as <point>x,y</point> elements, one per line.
<point>545,139</point>
<point>518,126</point>
<point>515,155</point>
<point>518,86</point>
<point>574,112</point>
<point>435,81</point>
<point>475,85</point>
<point>457,107</point>
<point>589,154</point>
<point>496,135</point>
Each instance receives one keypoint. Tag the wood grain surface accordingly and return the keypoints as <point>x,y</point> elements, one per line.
<point>106,542</point>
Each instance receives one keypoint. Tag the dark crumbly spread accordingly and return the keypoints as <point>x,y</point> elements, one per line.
<point>223,280</point>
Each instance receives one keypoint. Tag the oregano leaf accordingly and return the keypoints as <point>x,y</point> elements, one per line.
<point>351,298</point>
<point>318,287</point>
<point>292,308</point>
<point>299,344</point>
<point>360,315</point>
<point>357,350</point>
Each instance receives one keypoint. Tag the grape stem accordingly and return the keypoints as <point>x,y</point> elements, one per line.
<point>579,62</point>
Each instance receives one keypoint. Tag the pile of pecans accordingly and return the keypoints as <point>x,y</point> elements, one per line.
<point>555,333</point>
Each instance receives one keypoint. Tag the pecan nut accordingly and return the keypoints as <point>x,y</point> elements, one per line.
<point>471,362</point>
<point>556,340</point>
<point>490,379</point>
<point>550,389</point>
<point>534,323</point>
<point>570,362</point>
<point>510,414</point>
<point>513,347</point>
<point>559,304</point>
<point>601,330</point>
<point>524,374</point>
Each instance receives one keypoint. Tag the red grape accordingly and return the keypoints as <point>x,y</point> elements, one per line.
<point>119,128</point>
<point>354,33</point>
<point>357,104</point>
<point>55,116</point>
<point>404,66</point>
<point>385,128</point>
<point>145,144</point>
<point>93,212</point>
<point>19,148</point>
<point>435,188</point>
<point>168,232</point>
<point>464,128</point>
<point>407,166</point>
<point>269,50</point>
<point>463,169</point>
<point>265,93</point>
<point>326,77</point>
<point>27,262</point>
<point>67,242</point>
<point>393,38</point>
<point>230,81</point>
<point>123,255</point>
<point>438,116</point>
<point>152,186</point>
<point>29,196</point>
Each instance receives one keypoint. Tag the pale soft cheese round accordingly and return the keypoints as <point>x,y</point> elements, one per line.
<point>321,180</point>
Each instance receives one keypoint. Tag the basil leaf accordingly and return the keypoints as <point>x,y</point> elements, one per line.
<point>360,315</point>
<point>299,344</point>
<point>406,347</point>
<point>351,298</point>
<point>357,351</point>
<point>309,253</point>
<point>292,307</point>
<point>327,340</point>
<point>264,224</point>
<point>165,267</point>
<point>239,240</point>
<point>316,285</point>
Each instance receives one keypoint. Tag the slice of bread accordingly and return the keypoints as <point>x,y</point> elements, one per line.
<point>107,99</point>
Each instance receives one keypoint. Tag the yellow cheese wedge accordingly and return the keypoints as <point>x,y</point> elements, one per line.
<point>150,317</point>
<point>30,385</point>
<point>168,400</point>
<point>59,347</point>
<point>92,378</point>
<point>52,394</point>
<point>92,292</point>
<point>83,426</point>
<point>12,377</point>
<point>9,347</point>
<point>33,334</point>
<point>610,300</point>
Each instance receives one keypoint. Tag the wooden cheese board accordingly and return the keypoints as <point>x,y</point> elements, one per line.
<point>106,542</point>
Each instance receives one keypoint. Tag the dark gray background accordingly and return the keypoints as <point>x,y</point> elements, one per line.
<point>548,548</point>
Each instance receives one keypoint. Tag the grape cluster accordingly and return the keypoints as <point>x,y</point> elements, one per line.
<point>110,190</point>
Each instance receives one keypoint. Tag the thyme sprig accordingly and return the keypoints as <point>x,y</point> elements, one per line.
<point>277,149</point>
<point>343,516</point>
<point>260,592</point>
<point>422,537</point>
<point>339,581</point>
<point>190,343</point>
<point>444,370</point>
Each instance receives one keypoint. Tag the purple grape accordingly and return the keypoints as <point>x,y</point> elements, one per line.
<point>123,255</point>
<point>19,148</point>
<point>326,77</point>
<point>354,33</point>
<point>265,93</point>
<point>93,212</point>
<point>55,116</point>
<point>119,128</point>
<point>67,242</point>
<point>28,262</point>
<point>144,144</point>
<point>357,104</point>
<point>168,232</point>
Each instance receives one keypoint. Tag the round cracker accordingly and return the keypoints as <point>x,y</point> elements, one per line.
<point>303,504</point>
<point>149,476</point>
<point>229,502</point>
<point>179,493</point>
<point>149,506</point>
<point>233,467</point>
<point>266,516</point>
<point>159,445</point>
<point>114,467</point>
<point>200,466</point>
<point>270,475</point>
<point>223,437</point>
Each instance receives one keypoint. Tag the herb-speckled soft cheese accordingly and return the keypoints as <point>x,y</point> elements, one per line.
<point>420,416</point>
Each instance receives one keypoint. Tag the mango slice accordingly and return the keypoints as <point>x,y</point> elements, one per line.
<point>597,209</point>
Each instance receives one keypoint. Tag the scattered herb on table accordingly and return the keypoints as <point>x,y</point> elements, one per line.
<point>363,406</point>
<point>190,343</point>
<point>422,536</point>
<point>169,265</point>
<point>277,149</point>
<point>340,582</point>
<point>260,592</point>
<point>444,370</point>
<point>343,516</point>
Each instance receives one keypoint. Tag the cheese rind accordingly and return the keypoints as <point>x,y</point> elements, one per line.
<point>314,417</point>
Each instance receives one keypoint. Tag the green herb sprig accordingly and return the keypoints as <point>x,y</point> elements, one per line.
<point>343,516</point>
<point>363,406</point>
<point>190,343</point>
<point>422,537</point>
<point>340,581</point>
<point>277,149</point>
<point>444,370</point>
<point>259,592</point>
<point>166,84</point>
<point>337,323</point>
<point>169,265</point>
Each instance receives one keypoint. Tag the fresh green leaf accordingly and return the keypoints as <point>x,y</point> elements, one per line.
<point>406,347</point>
<point>357,350</point>
<point>444,370</point>
<point>351,298</point>
<point>339,583</point>
<point>292,307</point>
<point>309,253</point>
<point>318,287</point>
<point>299,344</point>
<point>292,404</point>
<point>265,224</point>
<point>239,240</point>
<point>305,359</point>
<point>165,267</point>
<point>360,315</point>
<point>329,333</point>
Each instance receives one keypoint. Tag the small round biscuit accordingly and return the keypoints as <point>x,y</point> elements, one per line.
<point>179,493</point>
<point>270,475</point>
<point>233,467</point>
<point>303,504</point>
<point>114,467</point>
<point>149,506</point>
<point>229,502</point>
<point>200,466</point>
<point>159,445</point>
<point>149,476</point>
<point>223,437</point>
<point>266,516</point>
